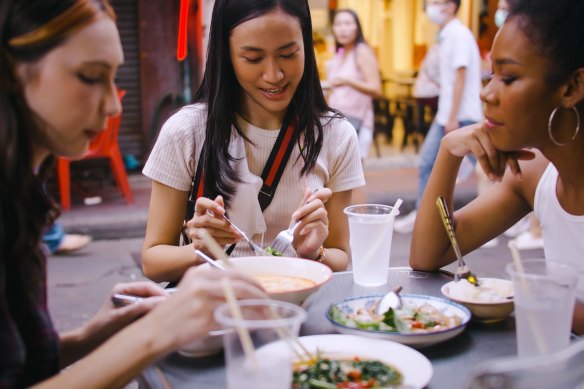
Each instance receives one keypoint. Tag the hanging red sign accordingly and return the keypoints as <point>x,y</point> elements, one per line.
<point>181,49</point>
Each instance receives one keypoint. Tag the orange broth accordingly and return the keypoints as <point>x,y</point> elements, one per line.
<point>275,283</point>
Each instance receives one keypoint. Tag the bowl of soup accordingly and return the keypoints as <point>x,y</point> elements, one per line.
<point>285,278</point>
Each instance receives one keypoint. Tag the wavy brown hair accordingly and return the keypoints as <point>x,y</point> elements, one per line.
<point>28,31</point>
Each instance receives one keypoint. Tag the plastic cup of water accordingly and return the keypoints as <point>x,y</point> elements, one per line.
<point>371,232</point>
<point>267,322</point>
<point>544,297</point>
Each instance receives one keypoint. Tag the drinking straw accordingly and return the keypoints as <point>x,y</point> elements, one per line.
<point>243,333</point>
<point>521,271</point>
<point>516,259</point>
<point>396,206</point>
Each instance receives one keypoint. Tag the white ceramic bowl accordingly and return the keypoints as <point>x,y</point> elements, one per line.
<point>210,345</point>
<point>485,311</point>
<point>313,271</point>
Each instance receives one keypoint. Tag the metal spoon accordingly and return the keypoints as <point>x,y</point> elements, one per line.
<point>390,300</point>
<point>256,249</point>
<point>462,271</point>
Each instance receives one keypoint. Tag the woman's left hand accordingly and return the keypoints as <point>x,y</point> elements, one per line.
<point>313,228</point>
<point>109,319</point>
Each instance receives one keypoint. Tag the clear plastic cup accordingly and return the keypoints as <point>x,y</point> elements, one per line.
<point>544,297</point>
<point>371,232</point>
<point>269,323</point>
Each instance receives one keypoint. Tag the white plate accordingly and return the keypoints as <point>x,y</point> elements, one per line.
<point>413,339</point>
<point>415,368</point>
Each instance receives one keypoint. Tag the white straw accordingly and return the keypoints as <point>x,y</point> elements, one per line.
<point>532,323</point>
<point>396,206</point>
<point>516,257</point>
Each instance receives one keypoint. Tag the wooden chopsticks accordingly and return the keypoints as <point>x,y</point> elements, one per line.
<point>217,251</point>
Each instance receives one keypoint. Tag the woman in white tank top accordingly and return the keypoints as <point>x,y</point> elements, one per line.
<point>530,144</point>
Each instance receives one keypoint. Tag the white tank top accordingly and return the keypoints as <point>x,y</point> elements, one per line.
<point>563,233</point>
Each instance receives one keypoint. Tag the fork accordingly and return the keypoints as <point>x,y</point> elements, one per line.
<point>256,249</point>
<point>462,271</point>
<point>284,239</point>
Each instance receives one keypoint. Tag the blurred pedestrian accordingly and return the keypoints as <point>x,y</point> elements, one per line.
<point>460,83</point>
<point>59,242</point>
<point>501,13</point>
<point>353,74</point>
<point>427,88</point>
<point>58,60</point>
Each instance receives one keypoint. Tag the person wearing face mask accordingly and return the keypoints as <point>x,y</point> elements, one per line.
<point>501,13</point>
<point>460,83</point>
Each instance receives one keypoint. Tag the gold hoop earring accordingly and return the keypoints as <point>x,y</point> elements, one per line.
<point>553,114</point>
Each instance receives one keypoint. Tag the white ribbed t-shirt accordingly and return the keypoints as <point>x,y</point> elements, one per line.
<point>173,159</point>
<point>563,233</point>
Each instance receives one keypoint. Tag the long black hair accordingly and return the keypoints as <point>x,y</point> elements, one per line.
<point>221,92</point>
<point>557,31</point>
<point>359,38</point>
<point>28,31</point>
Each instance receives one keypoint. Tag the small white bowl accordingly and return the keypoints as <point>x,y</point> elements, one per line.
<point>210,345</point>
<point>313,271</point>
<point>486,311</point>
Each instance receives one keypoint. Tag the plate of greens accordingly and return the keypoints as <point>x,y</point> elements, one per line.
<point>422,321</point>
<point>348,361</point>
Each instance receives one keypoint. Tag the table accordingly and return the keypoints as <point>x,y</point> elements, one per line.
<point>452,360</point>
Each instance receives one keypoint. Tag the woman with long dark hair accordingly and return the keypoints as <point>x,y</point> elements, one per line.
<point>534,105</point>
<point>260,83</point>
<point>353,75</point>
<point>58,59</point>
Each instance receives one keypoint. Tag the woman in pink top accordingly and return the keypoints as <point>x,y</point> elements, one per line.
<point>353,75</point>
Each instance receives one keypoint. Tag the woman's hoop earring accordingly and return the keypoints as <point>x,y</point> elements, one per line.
<point>550,126</point>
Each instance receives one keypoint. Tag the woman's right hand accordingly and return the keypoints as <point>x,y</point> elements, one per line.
<point>208,216</point>
<point>187,315</point>
<point>475,139</point>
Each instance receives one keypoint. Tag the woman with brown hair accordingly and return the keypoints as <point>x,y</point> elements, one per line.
<point>58,60</point>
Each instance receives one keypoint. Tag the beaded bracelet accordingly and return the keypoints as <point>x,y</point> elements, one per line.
<point>321,256</point>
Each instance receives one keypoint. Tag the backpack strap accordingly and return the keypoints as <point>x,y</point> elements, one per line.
<point>276,164</point>
<point>271,174</point>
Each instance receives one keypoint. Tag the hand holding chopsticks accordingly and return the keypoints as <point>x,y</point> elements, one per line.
<point>292,341</point>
